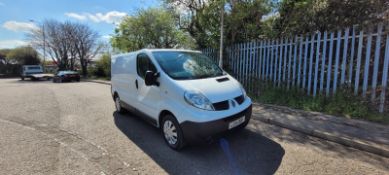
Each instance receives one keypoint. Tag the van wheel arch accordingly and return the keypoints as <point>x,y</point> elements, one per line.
<point>167,116</point>
<point>115,94</point>
<point>118,105</point>
<point>162,114</point>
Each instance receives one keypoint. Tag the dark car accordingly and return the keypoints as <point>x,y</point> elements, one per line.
<point>66,76</point>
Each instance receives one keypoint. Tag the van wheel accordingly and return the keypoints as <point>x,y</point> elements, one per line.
<point>243,125</point>
<point>118,105</point>
<point>172,132</point>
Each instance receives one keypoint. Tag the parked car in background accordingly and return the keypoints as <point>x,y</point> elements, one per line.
<point>182,92</point>
<point>66,76</point>
<point>34,72</point>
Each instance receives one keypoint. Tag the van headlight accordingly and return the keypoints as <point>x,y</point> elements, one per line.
<point>243,91</point>
<point>198,100</point>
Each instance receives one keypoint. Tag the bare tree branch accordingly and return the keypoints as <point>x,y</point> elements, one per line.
<point>67,44</point>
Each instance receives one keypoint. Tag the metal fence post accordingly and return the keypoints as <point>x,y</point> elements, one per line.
<point>359,60</point>
<point>310,64</point>
<point>367,64</point>
<point>337,55</point>
<point>317,63</point>
<point>376,61</point>
<point>329,67</point>
<point>384,75</point>
<point>344,61</point>
<point>294,61</point>
<point>323,62</point>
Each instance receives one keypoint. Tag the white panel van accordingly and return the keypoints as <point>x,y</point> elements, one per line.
<point>34,72</point>
<point>182,92</point>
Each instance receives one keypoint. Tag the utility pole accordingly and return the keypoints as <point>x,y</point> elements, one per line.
<point>221,36</point>
<point>44,46</point>
<point>44,42</point>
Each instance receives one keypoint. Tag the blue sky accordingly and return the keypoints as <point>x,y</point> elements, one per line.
<point>16,15</point>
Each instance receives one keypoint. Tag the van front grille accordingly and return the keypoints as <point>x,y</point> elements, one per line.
<point>219,106</point>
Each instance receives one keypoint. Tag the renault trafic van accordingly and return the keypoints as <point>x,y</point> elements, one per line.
<point>182,92</point>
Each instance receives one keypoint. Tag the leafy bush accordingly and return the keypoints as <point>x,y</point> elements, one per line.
<point>102,67</point>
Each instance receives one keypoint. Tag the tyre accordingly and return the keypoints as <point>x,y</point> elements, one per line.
<point>172,132</point>
<point>118,105</point>
<point>22,78</point>
<point>243,125</point>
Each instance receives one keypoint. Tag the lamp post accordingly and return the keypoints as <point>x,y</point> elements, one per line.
<point>221,36</point>
<point>44,46</point>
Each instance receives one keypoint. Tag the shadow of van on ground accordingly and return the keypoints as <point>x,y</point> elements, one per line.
<point>242,152</point>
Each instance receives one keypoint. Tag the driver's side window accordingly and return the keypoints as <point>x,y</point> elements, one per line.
<point>143,64</point>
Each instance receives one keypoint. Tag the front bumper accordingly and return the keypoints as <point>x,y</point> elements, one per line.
<point>197,132</point>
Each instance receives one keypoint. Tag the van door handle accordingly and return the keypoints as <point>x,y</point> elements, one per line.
<point>136,84</point>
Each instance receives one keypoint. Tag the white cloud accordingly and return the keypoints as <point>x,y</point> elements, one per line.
<point>111,17</point>
<point>12,43</point>
<point>76,16</point>
<point>107,37</point>
<point>19,26</point>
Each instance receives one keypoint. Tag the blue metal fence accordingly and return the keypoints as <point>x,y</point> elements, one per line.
<point>317,63</point>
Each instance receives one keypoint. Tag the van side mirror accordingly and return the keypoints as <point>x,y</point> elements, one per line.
<point>151,78</point>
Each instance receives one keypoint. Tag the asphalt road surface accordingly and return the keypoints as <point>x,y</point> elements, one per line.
<point>71,128</point>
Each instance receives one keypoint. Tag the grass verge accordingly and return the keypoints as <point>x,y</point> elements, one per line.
<point>343,103</point>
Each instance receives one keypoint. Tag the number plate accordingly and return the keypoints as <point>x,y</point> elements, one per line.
<point>236,122</point>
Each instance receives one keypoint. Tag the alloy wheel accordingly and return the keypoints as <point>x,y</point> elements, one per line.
<point>170,132</point>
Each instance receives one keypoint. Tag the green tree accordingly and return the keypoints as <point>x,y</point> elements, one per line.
<point>245,22</point>
<point>151,28</point>
<point>103,66</point>
<point>268,27</point>
<point>3,56</point>
<point>305,16</point>
<point>24,56</point>
<point>201,18</point>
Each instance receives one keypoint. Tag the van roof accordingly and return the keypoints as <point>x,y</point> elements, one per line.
<point>159,50</point>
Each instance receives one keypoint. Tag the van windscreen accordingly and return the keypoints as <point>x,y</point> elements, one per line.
<point>182,65</point>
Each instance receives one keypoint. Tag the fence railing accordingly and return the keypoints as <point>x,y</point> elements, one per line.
<point>212,53</point>
<point>319,63</point>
